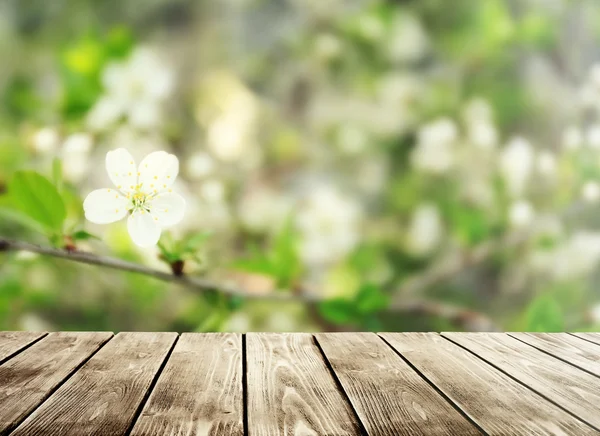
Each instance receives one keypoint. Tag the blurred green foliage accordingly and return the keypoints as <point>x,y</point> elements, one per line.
<point>345,149</point>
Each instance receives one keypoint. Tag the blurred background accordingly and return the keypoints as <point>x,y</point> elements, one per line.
<point>411,165</point>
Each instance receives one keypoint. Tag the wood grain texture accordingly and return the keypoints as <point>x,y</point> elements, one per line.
<point>590,337</point>
<point>583,354</point>
<point>499,405</point>
<point>389,397</point>
<point>290,389</point>
<point>199,391</point>
<point>12,342</point>
<point>573,389</point>
<point>28,379</point>
<point>103,397</point>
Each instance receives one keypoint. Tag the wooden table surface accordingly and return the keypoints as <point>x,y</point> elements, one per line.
<point>67,383</point>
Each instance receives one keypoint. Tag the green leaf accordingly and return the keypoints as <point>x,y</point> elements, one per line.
<point>35,196</point>
<point>193,243</point>
<point>57,173</point>
<point>9,212</point>
<point>544,315</point>
<point>371,299</point>
<point>284,258</point>
<point>82,235</point>
<point>338,310</point>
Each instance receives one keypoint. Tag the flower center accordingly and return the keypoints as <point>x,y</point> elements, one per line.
<point>139,201</point>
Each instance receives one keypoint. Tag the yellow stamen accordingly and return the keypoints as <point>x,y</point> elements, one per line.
<point>155,177</point>
<point>168,177</point>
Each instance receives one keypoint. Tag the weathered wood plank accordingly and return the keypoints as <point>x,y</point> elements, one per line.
<point>12,342</point>
<point>498,404</point>
<point>103,396</point>
<point>30,377</point>
<point>290,390</point>
<point>573,389</point>
<point>564,346</point>
<point>199,391</point>
<point>591,337</point>
<point>389,397</point>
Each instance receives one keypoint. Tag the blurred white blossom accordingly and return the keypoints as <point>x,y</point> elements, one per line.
<point>516,165</point>
<point>572,138</point>
<point>546,163</point>
<point>262,209</point>
<point>435,148</point>
<point>328,224</point>
<point>521,214</point>
<point>576,257</point>
<point>199,165</point>
<point>352,138</point>
<point>229,111</point>
<point>425,231</point>
<point>135,89</point>
<point>75,155</point>
<point>595,313</point>
<point>408,41</point>
<point>593,136</point>
<point>327,46</point>
<point>46,140</point>
<point>591,191</point>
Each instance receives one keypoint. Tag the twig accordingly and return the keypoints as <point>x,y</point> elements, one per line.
<point>464,318</point>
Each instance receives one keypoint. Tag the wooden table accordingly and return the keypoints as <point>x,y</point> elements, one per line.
<point>299,384</point>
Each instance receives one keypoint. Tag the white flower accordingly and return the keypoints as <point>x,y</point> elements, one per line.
<point>262,209</point>
<point>200,165</point>
<point>595,313</point>
<point>45,140</point>
<point>521,214</point>
<point>477,110</point>
<point>593,136</point>
<point>591,192</point>
<point>546,163</point>
<point>75,156</point>
<point>327,46</point>
<point>408,41</point>
<point>572,138</point>
<point>435,151</point>
<point>577,257</point>
<point>328,226</point>
<point>143,194</point>
<point>351,138</point>
<point>135,89</point>
<point>483,135</point>
<point>516,164</point>
<point>425,231</point>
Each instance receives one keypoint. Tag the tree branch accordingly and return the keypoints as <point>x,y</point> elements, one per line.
<point>464,318</point>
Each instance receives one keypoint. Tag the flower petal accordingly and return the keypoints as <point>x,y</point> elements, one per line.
<point>168,208</point>
<point>143,229</point>
<point>104,206</point>
<point>158,171</point>
<point>121,169</point>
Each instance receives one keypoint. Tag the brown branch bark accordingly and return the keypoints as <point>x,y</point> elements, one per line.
<point>464,318</point>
